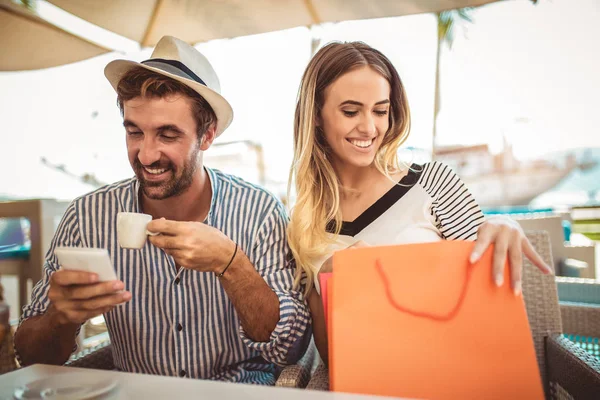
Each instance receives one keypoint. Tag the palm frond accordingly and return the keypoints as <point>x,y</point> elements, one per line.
<point>29,4</point>
<point>447,20</point>
<point>465,14</point>
<point>445,23</point>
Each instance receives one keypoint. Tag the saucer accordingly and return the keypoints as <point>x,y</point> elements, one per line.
<point>67,386</point>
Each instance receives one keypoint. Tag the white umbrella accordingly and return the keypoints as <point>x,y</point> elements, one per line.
<point>194,21</point>
<point>28,42</point>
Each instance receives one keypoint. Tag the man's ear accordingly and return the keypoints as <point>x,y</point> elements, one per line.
<point>208,137</point>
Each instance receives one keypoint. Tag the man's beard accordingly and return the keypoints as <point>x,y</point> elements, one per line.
<point>174,186</point>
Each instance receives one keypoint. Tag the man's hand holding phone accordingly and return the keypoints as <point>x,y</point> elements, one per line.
<point>85,286</point>
<point>78,296</point>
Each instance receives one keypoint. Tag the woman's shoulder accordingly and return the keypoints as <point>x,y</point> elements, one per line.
<point>435,174</point>
<point>426,172</point>
<point>434,169</point>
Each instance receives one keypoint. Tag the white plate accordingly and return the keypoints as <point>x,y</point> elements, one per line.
<point>69,386</point>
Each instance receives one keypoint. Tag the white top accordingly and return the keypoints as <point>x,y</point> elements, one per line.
<point>429,204</point>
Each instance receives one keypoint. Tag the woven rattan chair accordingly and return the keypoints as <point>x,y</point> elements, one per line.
<point>298,375</point>
<point>580,311</point>
<point>568,371</point>
<point>7,355</point>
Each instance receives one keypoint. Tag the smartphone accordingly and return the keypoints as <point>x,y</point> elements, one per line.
<point>87,259</point>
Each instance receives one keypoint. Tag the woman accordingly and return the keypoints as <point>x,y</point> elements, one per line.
<point>351,118</point>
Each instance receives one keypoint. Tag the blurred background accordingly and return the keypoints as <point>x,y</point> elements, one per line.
<point>517,90</point>
<point>506,92</point>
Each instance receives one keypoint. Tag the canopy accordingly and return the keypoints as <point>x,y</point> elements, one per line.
<point>28,42</point>
<point>201,20</point>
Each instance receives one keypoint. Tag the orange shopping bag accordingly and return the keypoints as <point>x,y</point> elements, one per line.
<point>325,284</point>
<point>420,321</point>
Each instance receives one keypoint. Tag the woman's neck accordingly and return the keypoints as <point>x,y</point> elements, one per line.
<point>356,180</point>
<point>362,187</point>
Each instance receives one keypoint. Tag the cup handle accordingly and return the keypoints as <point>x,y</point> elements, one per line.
<point>152,233</point>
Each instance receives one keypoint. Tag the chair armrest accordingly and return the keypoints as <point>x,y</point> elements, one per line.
<point>298,375</point>
<point>578,290</point>
<point>319,379</point>
<point>294,376</point>
<point>581,319</point>
<point>98,357</point>
<point>572,371</point>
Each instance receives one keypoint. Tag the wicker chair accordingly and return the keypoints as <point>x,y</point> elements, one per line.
<point>296,376</point>
<point>580,311</point>
<point>568,371</point>
<point>7,355</point>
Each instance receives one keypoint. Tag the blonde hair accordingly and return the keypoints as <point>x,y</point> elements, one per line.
<point>317,185</point>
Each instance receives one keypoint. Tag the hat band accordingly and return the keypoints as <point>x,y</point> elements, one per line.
<point>174,67</point>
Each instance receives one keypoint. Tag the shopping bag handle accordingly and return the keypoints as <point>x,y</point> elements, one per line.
<point>423,314</point>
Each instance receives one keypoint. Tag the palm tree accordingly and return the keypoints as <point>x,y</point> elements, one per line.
<point>446,22</point>
<point>29,4</point>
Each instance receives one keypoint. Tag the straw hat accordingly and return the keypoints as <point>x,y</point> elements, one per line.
<point>180,61</point>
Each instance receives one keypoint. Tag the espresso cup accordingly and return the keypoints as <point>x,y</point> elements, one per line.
<point>131,229</point>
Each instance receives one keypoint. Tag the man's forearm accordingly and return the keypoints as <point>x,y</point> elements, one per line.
<point>255,302</point>
<point>42,339</point>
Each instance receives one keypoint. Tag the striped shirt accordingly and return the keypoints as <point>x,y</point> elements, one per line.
<point>189,327</point>
<point>429,204</point>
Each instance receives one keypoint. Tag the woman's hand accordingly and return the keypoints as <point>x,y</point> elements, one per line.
<point>510,241</point>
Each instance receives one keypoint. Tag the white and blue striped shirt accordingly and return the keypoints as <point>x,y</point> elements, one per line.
<point>189,327</point>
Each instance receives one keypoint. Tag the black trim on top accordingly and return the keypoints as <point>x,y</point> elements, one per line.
<point>353,228</point>
<point>176,64</point>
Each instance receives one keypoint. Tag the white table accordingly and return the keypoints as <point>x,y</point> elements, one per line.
<point>139,386</point>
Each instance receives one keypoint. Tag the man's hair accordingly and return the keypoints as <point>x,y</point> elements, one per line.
<point>140,82</point>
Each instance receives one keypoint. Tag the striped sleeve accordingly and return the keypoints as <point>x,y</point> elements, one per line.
<point>290,338</point>
<point>457,214</point>
<point>67,234</point>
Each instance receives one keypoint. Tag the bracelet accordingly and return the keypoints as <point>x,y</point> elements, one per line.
<point>230,261</point>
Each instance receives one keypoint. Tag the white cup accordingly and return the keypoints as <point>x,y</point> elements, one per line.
<point>131,229</point>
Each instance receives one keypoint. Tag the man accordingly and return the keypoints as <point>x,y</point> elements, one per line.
<point>213,295</point>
